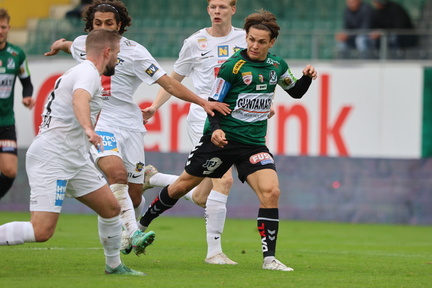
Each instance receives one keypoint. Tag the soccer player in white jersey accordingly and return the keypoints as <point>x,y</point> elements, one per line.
<point>200,58</point>
<point>120,123</point>
<point>58,162</point>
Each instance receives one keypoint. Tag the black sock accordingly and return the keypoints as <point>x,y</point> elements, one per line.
<point>160,204</point>
<point>5,184</point>
<point>268,226</point>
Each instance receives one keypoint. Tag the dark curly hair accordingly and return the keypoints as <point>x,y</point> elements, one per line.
<point>262,20</point>
<point>118,8</point>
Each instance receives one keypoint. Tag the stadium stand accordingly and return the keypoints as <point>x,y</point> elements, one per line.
<point>308,26</point>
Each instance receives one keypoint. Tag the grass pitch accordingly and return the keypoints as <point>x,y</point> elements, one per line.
<point>322,255</point>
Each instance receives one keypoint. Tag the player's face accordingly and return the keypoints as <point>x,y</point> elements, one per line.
<point>258,43</point>
<point>110,67</point>
<point>220,12</point>
<point>4,30</point>
<point>105,20</point>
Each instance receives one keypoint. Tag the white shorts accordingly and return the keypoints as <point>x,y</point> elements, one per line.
<point>195,131</point>
<point>51,182</point>
<point>128,145</point>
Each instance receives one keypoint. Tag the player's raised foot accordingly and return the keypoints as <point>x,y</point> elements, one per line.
<point>271,263</point>
<point>220,259</point>
<point>126,246</point>
<point>122,270</point>
<point>140,240</point>
<point>149,171</point>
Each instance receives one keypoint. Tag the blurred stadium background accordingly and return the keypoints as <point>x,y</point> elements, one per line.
<point>360,187</point>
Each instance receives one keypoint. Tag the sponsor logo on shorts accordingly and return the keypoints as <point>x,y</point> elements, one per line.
<point>211,165</point>
<point>139,167</point>
<point>263,158</point>
<point>8,145</point>
<point>131,175</point>
<point>108,140</point>
<point>60,192</point>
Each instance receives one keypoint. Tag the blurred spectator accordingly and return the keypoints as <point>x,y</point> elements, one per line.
<point>77,11</point>
<point>389,15</point>
<point>357,16</point>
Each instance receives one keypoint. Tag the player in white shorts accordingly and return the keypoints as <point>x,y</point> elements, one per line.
<point>120,123</point>
<point>58,162</point>
<point>200,58</point>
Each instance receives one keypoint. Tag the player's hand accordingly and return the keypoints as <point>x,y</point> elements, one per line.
<point>210,106</point>
<point>272,111</point>
<point>310,71</point>
<point>147,113</point>
<point>95,139</point>
<point>55,47</point>
<point>218,138</point>
<point>28,102</point>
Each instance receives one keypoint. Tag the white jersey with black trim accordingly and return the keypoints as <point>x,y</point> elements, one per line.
<point>135,65</point>
<point>201,57</point>
<point>61,138</point>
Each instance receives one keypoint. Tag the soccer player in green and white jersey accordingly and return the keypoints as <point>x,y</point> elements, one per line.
<point>13,63</point>
<point>200,59</point>
<point>246,82</point>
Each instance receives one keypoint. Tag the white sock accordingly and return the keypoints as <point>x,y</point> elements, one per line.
<point>189,195</point>
<point>110,237</point>
<point>139,211</point>
<point>127,214</point>
<point>16,233</point>
<point>215,212</point>
<point>162,180</point>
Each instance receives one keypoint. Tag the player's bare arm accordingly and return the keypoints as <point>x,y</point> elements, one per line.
<point>161,98</point>
<point>81,105</point>
<point>59,45</point>
<point>182,92</point>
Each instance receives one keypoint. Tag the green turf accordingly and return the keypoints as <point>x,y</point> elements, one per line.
<point>322,255</point>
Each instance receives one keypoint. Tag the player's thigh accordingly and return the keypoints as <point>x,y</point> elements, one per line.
<point>8,164</point>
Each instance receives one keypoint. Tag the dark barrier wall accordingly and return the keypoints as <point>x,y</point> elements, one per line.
<point>312,188</point>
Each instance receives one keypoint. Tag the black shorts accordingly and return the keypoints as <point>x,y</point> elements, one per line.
<point>208,160</point>
<point>8,143</point>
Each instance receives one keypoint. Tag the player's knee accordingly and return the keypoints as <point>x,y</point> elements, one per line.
<point>270,197</point>
<point>115,174</point>
<point>9,172</point>
<point>227,182</point>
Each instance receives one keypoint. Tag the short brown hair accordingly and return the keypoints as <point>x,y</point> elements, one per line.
<point>101,38</point>
<point>262,20</point>
<point>4,14</point>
